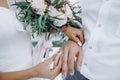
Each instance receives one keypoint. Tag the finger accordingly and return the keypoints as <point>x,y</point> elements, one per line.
<point>64,59</point>
<point>71,62</point>
<point>81,37</point>
<point>76,40</point>
<point>60,61</point>
<point>57,59</point>
<point>59,66</point>
<point>79,60</point>
<point>56,71</point>
<point>51,59</point>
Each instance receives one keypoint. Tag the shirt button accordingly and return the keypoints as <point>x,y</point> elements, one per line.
<point>85,64</point>
<point>90,47</point>
<point>99,25</point>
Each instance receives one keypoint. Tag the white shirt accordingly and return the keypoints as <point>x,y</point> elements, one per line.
<point>101,51</point>
<point>15,45</point>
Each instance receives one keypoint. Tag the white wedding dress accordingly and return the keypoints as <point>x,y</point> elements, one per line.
<point>16,50</point>
<point>15,45</point>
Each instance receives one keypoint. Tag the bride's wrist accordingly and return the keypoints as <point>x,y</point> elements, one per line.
<point>3,3</point>
<point>34,72</point>
<point>37,71</point>
<point>64,28</point>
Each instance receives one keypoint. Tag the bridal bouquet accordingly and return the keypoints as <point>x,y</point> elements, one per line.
<point>46,15</point>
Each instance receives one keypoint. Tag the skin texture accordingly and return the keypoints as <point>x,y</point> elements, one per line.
<point>70,51</point>
<point>3,3</point>
<point>74,34</point>
<point>44,70</point>
<point>41,70</point>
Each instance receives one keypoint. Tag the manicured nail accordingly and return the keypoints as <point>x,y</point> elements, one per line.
<point>78,69</point>
<point>71,74</point>
<point>60,52</point>
<point>63,77</point>
<point>79,43</point>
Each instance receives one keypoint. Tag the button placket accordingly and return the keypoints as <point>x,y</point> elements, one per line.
<point>96,33</point>
<point>99,25</point>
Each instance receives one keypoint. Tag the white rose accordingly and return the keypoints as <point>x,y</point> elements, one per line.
<point>68,12</point>
<point>39,6</point>
<point>54,13</point>
<point>59,23</point>
<point>29,0</point>
<point>73,3</point>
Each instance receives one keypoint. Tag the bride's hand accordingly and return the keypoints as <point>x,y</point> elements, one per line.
<point>74,34</point>
<point>43,69</point>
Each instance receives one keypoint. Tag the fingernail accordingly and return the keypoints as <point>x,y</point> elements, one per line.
<point>60,51</point>
<point>63,77</point>
<point>71,73</point>
<point>78,69</point>
<point>79,43</point>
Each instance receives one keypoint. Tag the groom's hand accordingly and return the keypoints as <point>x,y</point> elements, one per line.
<point>71,51</point>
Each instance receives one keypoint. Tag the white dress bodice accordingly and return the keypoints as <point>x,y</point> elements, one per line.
<point>15,45</point>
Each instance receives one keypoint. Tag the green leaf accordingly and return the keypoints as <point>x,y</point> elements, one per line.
<point>55,2</point>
